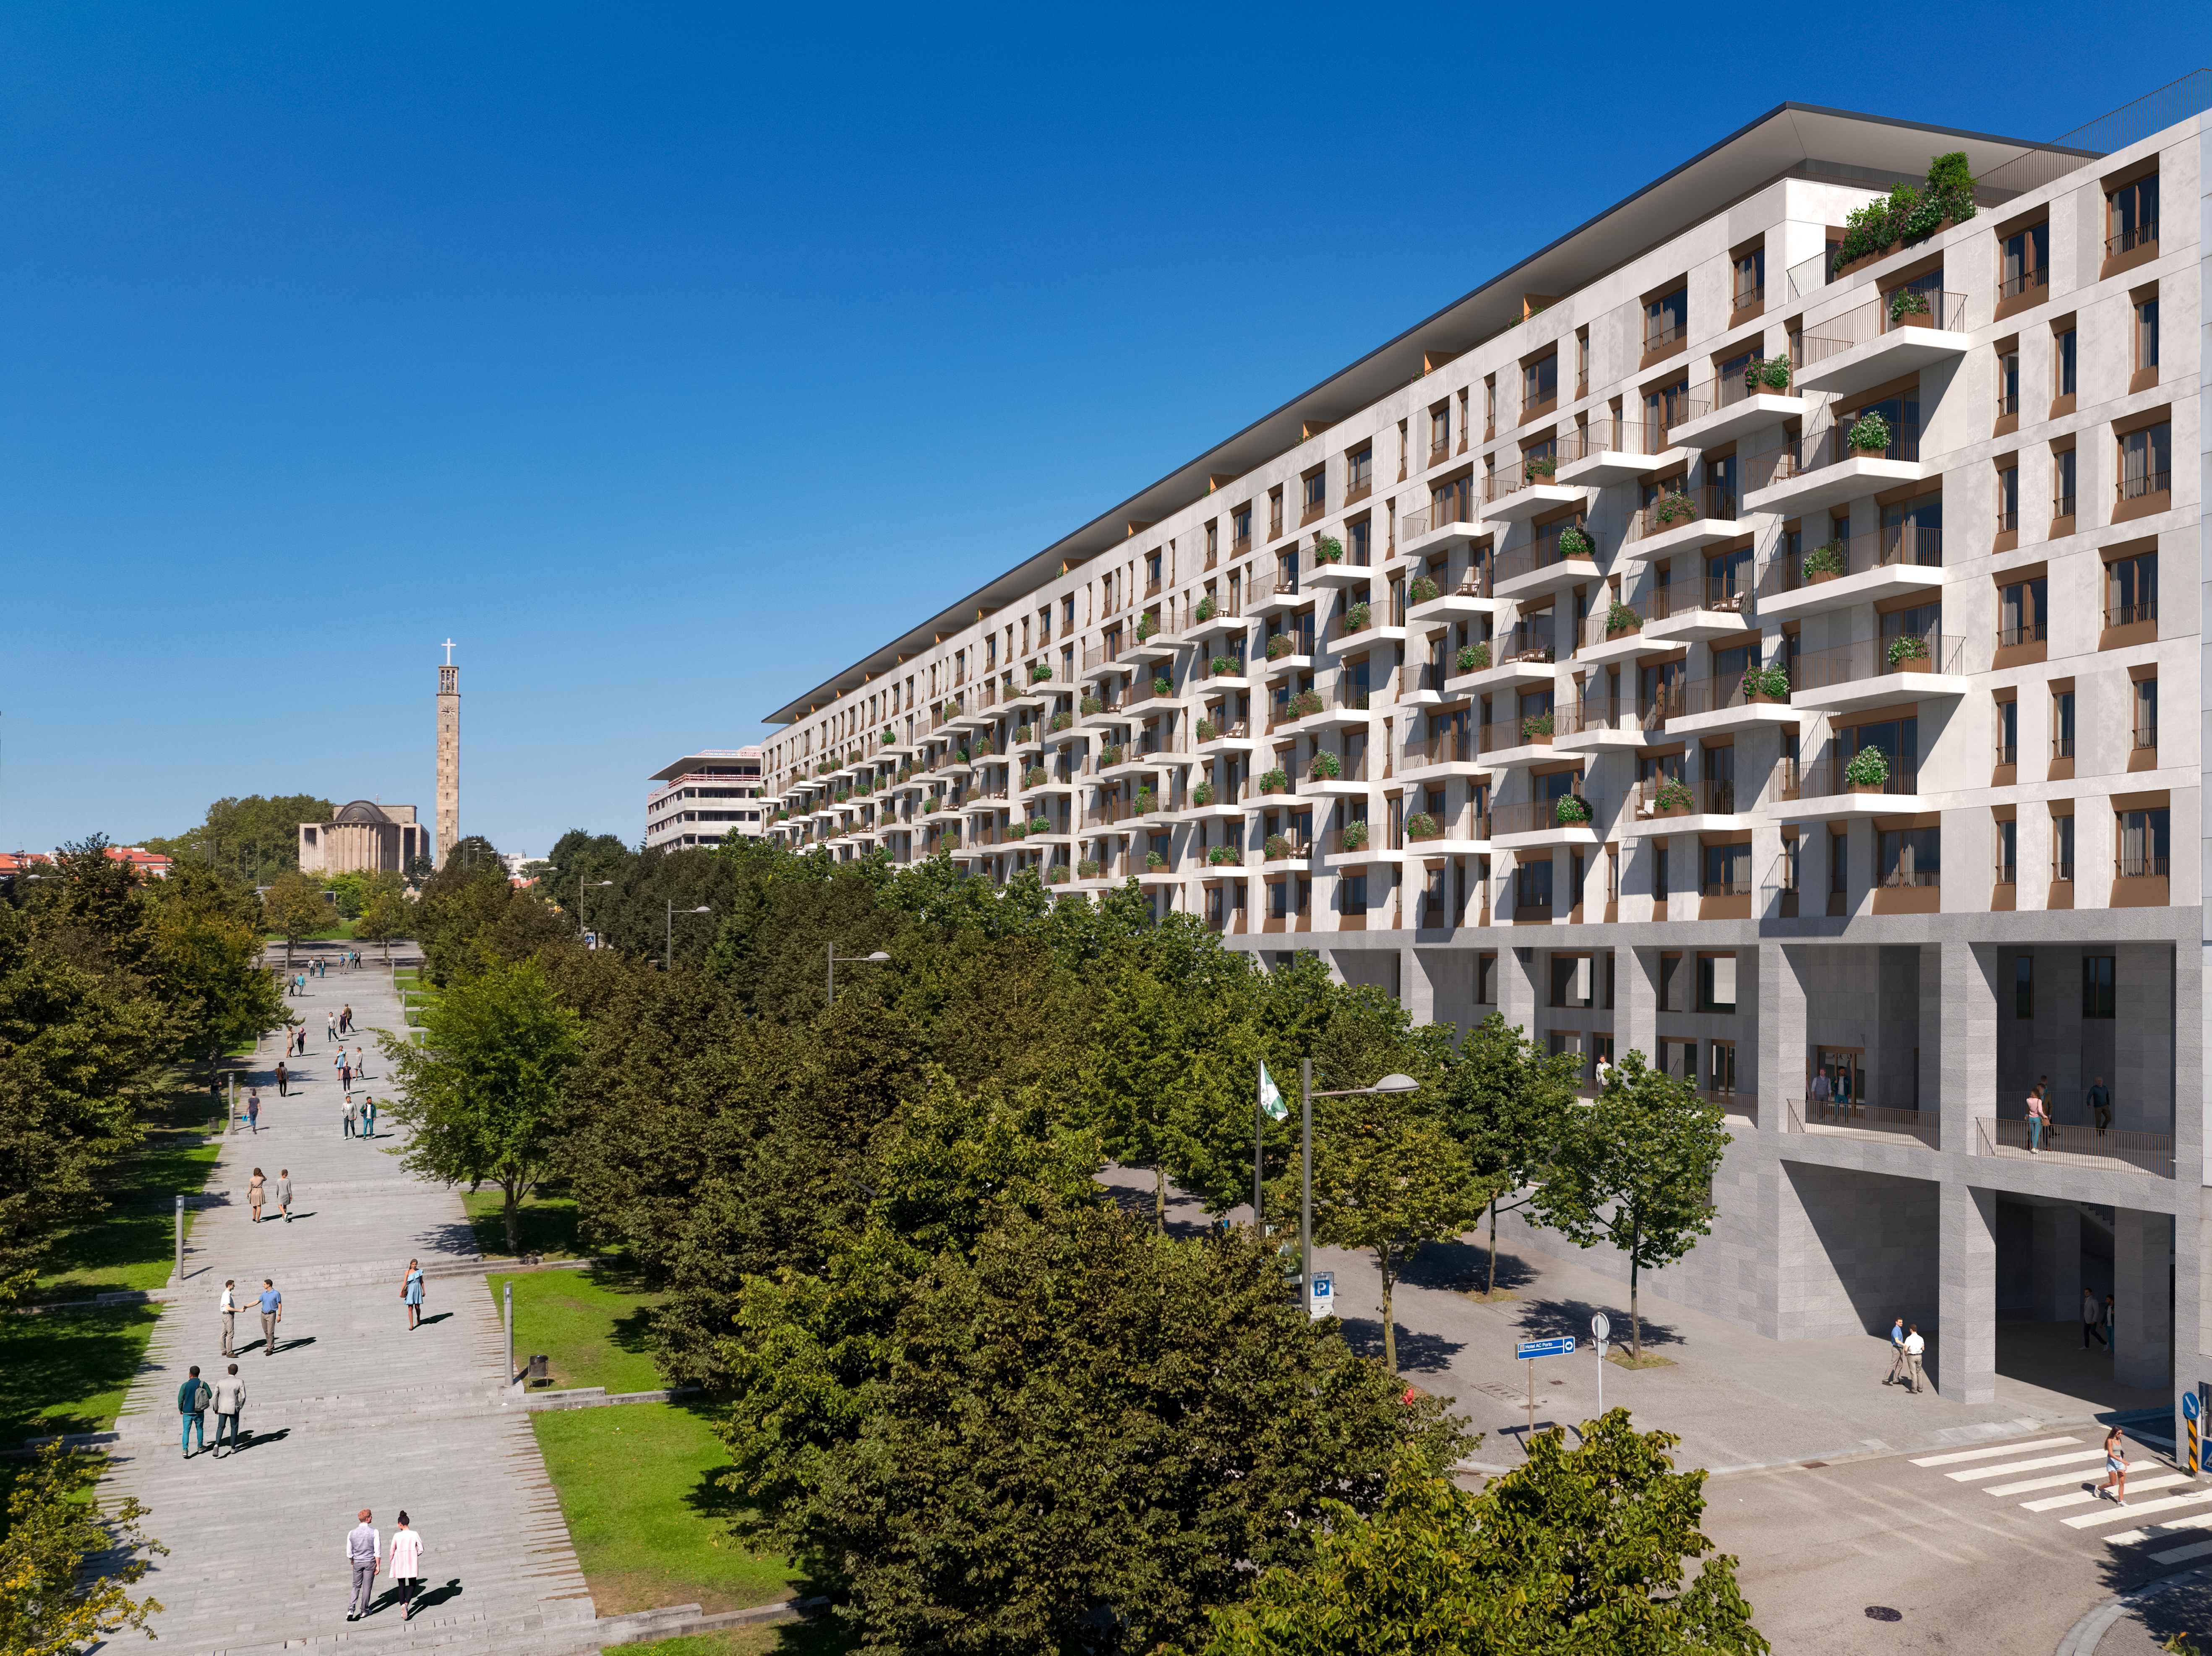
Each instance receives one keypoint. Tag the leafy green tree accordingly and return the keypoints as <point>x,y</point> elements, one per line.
<point>385,915</point>
<point>1636,1170</point>
<point>348,892</point>
<point>1576,1550</point>
<point>1509,1107</point>
<point>484,1093</point>
<point>1387,1179</point>
<point>207,956</point>
<point>67,1559</point>
<point>254,838</point>
<point>294,909</point>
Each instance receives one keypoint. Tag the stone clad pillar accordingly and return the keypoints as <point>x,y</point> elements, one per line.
<point>1965,1346</point>
<point>2142,1313</point>
<point>1782,1059</point>
<point>2143,1037</point>
<point>1636,1004</point>
<point>1517,986</point>
<point>2057,1264</point>
<point>1958,1040</point>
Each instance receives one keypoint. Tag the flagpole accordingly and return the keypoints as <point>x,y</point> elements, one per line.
<point>1259,1124</point>
<point>1305,1181</point>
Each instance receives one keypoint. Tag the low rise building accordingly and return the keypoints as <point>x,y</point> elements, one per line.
<point>698,800</point>
<point>364,837</point>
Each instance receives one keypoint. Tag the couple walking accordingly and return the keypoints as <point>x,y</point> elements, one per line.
<point>226,1396</point>
<point>359,1117</point>
<point>2042,1123</point>
<point>256,1192</point>
<point>364,1549</point>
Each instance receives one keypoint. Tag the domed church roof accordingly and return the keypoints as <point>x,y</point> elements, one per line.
<point>361,810</point>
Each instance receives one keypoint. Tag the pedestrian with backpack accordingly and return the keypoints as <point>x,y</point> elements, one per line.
<point>192,1399</point>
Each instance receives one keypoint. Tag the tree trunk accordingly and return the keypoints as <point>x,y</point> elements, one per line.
<point>1160,1200</point>
<point>1635,1321</point>
<point>514,1245</point>
<point>1389,1328</point>
<point>1492,1288</point>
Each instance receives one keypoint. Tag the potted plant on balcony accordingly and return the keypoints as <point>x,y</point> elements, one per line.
<point>1024,733</point>
<point>1673,507</point>
<point>1620,619</point>
<point>1147,624</point>
<point>1018,830</point>
<point>1354,837</point>
<point>1154,863</point>
<point>1147,802</point>
<point>930,803</point>
<point>1202,794</point>
<point>1908,308</point>
<point>1357,615</point>
<point>1908,654</point>
<point>1575,541</point>
<point>1869,435</point>
<point>889,739</point>
<point>1281,645</point>
<point>1474,658</point>
<point>1305,704</point>
<point>1033,777</point>
<point>1062,719</point>
<point>1225,667</point>
<point>1329,549</point>
<point>1420,589</point>
<point>1326,767</point>
<point>1207,609</point>
<point>1421,826</point>
<point>1766,373</point>
<point>1040,671</point>
<point>984,747</point>
<point>1109,754</point>
<point>1278,846</point>
<point>1538,465</point>
<point>1040,825</point>
<point>1823,562</point>
<point>1225,857</point>
<point>1570,810</point>
<point>1057,874</point>
<point>1088,868</point>
<point>1768,684</point>
<point>1868,772</point>
<point>1674,797</point>
<point>1091,704</point>
<point>1277,780</point>
<point>1536,729</point>
<point>1208,730</point>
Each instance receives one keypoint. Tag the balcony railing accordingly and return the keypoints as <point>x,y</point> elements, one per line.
<point>1824,779</point>
<point>1869,322</point>
<point>2024,282</point>
<point>1456,746</point>
<point>1528,816</point>
<point>1831,448</point>
<point>1845,1115</point>
<point>2077,1144</point>
<point>1466,824</point>
<point>1876,549</point>
<point>1706,798</point>
<point>2140,235</point>
<point>1542,551</point>
<point>1610,435</point>
<point>1597,713</point>
<point>1525,642</point>
<point>1849,663</point>
<point>1706,501</point>
<point>1453,505</point>
<point>2019,632</point>
<point>2139,867</point>
<point>1523,473</point>
<point>2143,484</point>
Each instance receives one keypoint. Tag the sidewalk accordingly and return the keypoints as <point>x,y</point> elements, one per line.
<point>353,1410</point>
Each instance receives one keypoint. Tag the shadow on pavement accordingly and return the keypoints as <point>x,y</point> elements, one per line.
<point>1418,1353</point>
<point>1548,1319</point>
<point>1464,1268</point>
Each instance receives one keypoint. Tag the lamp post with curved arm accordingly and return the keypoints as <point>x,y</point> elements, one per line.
<point>878,958</point>
<point>668,947</point>
<point>1389,1083</point>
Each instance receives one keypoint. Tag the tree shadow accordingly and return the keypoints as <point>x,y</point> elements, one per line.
<point>64,1362</point>
<point>1419,1352</point>
<point>1551,1318</point>
<point>1464,1267</point>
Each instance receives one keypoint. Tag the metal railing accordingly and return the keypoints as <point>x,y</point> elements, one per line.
<point>1524,473</point>
<point>1829,448</point>
<point>2077,1144</point>
<point>1875,549</point>
<point>2014,286</point>
<point>1706,501</point>
<point>1864,324</point>
<point>2143,484</point>
<point>1467,823</point>
<point>2141,867</point>
<point>1456,746</point>
<point>1610,435</point>
<point>1542,551</point>
<point>2142,235</point>
<point>1454,504</point>
<point>1705,798</point>
<point>1847,1115</point>
<point>2019,632</point>
<point>1601,713</point>
<point>2129,614</point>
<point>1530,816</point>
<point>1824,779</point>
<point>1523,642</point>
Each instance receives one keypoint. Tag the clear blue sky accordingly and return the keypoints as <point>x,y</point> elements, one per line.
<point>668,358</point>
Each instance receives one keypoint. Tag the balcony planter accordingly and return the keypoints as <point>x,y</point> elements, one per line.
<point>1575,541</point>
<point>1327,768</point>
<point>1147,802</point>
<point>1769,685</point>
<point>1225,667</point>
<point>1329,549</point>
<point>1474,658</point>
<point>1207,610</point>
<point>1109,754</point>
<point>1225,857</point>
<point>1091,704</point>
<point>1869,435</point>
<point>1570,810</point>
<point>1033,777</point>
<point>1355,836</point>
<point>1147,626</point>
<point>1538,466</point>
<point>1057,874</point>
<point>1420,589</point>
<point>1421,826</point>
<point>1154,863</point>
<point>1673,798</point>
<point>1202,794</point>
<point>1278,846</point>
<point>1769,374</point>
<point>1536,731</point>
<point>1869,772</point>
<point>1088,869</point>
<point>1621,620</point>
<point>1062,720</point>
<point>1305,704</point>
<point>1357,618</point>
<point>1274,782</point>
<point>1671,509</point>
<point>1909,655</point>
<point>1208,729</point>
<point>1039,673</point>
<point>1041,825</point>
<point>1908,309</point>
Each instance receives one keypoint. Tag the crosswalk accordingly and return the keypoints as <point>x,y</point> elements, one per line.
<point>2180,1505</point>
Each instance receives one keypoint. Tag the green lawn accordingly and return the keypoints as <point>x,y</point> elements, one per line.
<point>132,1243</point>
<point>819,1637</point>
<point>544,1223</point>
<point>595,1325</point>
<point>67,1371</point>
<point>636,1483</point>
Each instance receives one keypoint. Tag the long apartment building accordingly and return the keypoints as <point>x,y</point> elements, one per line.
<point>704,797</point>
<point>1715,637</point>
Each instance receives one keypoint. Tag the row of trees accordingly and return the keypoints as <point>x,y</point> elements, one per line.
<point>996,1411</point>
<point>252,840</point>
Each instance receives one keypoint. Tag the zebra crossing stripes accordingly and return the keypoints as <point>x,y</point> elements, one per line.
<point>2072,1458</point>
<point>2181,1517</point>
<point>2137,1509</point>
<point>1956,1456</point>
<point>2081,1497</point>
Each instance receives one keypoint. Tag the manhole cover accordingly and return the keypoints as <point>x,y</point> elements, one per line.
<point>1883,1613</point>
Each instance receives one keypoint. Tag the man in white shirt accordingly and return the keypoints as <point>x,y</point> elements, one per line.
<point>1914,1345</point>
<point>363,1547</point>
<point>230,1318</point>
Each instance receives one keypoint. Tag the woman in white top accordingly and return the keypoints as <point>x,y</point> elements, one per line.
<point>406,1565</point>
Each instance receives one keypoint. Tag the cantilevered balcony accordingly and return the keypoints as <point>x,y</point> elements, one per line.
<point>1734,409</point>
<point>1826,469</point>
<point>1882,340</point>
<point>1556,555</point>
<point>1873,671</point>
<point>1681,520</point>
<point>1611,451</point>
<point>1820,790</point>
<point>1897,562</point>
<point>1527,488</point>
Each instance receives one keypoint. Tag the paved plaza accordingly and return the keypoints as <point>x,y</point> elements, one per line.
<point>353,1410</point>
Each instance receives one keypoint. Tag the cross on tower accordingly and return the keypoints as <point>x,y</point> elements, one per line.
<point>448,647</point>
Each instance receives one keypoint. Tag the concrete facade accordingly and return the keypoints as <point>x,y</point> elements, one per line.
<point>705,796</point>
<point>449,758</point>
<point>363,837</point>
<point>1326,686</point>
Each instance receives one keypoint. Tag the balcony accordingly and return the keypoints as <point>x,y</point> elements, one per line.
<point>1346,708</point>
<point>1522,655</point>
<point>1472,597</point>
<point>2078,1145</point>
<point>1867,345</point>
<point>1701,610</point>
<point>1602,641</point>
<point>1884,563</point>
<point>1827,470</point>
<point>1511,743</point>
<point>1229,735</point>
<point>1292,661</point>
<point>1534,825</point>
<point>1350,782</point>
<point>1451,519</point>
<point>1669,805</point>
<point>1525,490</point>
<point>1277,594</point>
<point>1873,671</point>
<point>1682,520</point>
<point>1820,791</point>
<point>1443,753</point>
<point>1227,621</point>
<point>1850,1119</point>
<point>1557,557</point>
<point>1322,571</point>
<point>1466,832</point>
<point>1598,724</point>
<point>1697,707</point>
<point>1733,410</point>
<point>1421,683</point>
<point>1356,845</point>
<point>1609,451</point>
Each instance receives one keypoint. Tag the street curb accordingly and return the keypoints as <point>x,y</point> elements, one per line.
<point>2083,1637</point>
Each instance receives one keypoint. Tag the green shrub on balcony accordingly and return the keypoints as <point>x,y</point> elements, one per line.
<point>1825,559</point>
<point>1538,465</point>
<point>1570,809</point>
<point>1276,780</point>
<point>1163,685</point>
<point>1062,719</point>
<point>1225,857</point>
<point>960,757</point>
<point>1154,862</point>
<point>1225,666</point>
<point>1147,624</point>
<point>1208,729</point>
<point>1620,618</point>
<point>1575,541</point>
<point>1041,825</point>
<point>1057,874</point>
<point>1868,768</point>
<point>930,803</point>
<point>1673,507</point>
<point>1305,704</point>
<point>1033,777</point>
<point>1420,589</point>
<point>1474,658</point>
<point>888,738</point>
<point>1091,704</point>
<point>1207,610</point>
<point>1906,301</point>
<point>1420,826</point>
<point>1767,373</point>
<point>1534,725</point>
<point>1280,645</point>
<point>1907,213</point>
<point>1355,836</point>
<point>1869,435</point>
<point>1907,648</point>
<point>1088,869</point>
<point>1109,754</point>
<point>1040,671</point>
<point>1147,802</point>
<point>1329,549</point>
<point>1674,795</point>
<point>1024,733</point>
<point>1767,681</point>
<point>1018,830</point>
<point>1278,846</point>
<point>1327,768</point>
<point>1202,794</point>
<point>1357,618</point>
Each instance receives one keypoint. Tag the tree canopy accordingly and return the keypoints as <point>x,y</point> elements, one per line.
<point>253,840</point>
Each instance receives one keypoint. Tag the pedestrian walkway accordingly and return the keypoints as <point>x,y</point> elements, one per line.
<point>352,1411</point>
<point>2060,1475</point>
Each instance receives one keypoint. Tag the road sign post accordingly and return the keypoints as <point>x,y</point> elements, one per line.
<point>1528,1351</point>
<point>2190,1409</point>
<point>1600,1326</point>
<point>1322,1301</point>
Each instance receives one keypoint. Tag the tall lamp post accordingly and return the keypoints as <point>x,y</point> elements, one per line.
<point>878,958</point>
<point>668,946</point>
<point>1389,1083</point>
<point>582,886</point>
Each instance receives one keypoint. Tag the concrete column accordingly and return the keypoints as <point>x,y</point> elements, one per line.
<point>1636,1004</point>
<point>1957,1039</point>
<point>1782,1056</point>
<point>1966,1343</point>
<point>2057,1264</point>
<point>2142,1088</point>
<point>1517,986</point>
<point>2142,1316</point>
<point>1417,994</point>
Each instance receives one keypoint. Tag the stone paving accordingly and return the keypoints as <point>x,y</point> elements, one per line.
<point>353,1409</point>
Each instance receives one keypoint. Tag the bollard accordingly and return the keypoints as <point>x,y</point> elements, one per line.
<point>507,1294</point>
<point>234,1102</point>
<point>181,1238</point>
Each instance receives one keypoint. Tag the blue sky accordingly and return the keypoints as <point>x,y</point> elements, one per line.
<point>668,358</point>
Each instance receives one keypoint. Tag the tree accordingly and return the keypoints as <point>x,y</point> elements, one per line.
<point>294,906</point>
<point>1635,1170</point>
<point>386,916</point>
<point>207,956</point>
<point>51,1604</point>
<point>1575,1550</point>
<point>1387,1179</point>
<point>485,1092</point>
<point>348,892</point>
<point>1509,1107</point>
<point>254,838</point>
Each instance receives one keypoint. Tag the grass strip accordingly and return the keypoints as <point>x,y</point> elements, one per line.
<point>544,1224</point>
<point>595,1326</point>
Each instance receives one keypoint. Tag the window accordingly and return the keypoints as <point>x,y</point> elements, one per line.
<point>1490,405</point>
<point>2143,460</point>
<point>2020,613</point>
<point>1839,842</point>
<point>1212,541</point>
<point>1613,874</point>
<point>1573,981</point>
<point>1747,281</point>
<point>1359,473</point>
<point>2008,733</point>
<point>1792,861</point>
<point>1316,496</point>
<point>2142,845</point>
<point>2062,723</point>
<point>1666,320</point>
<point>1720,1068</point>
<point>1659,873</point>
<point>1275,512</point>
<point>1353,893</point>
<point>2146,336</point>
<point>1668,405</point>
<point>1532,884</point>
<point>1360,542</point>
<point>1439,432</point>
<point>1241,531</point>
<point>2023,985</point>
<point>1727,871</point>
<point>1539,386</point>
<point>2132,216</point>
<point>1485,980</point>
<point>1716,983</point>
<point>2131,590</point>
<point>2009,380</point>
<point>2146,705</point>
<point>2061,483</point>
<point>2097,985</point>
<point>1581,361</point>
<point>2027,261</point>
<point>2061,848</point>
<point>2008,847</point>
<point>1068,613</point>
<point>2064,362</point>
<point>1909,858</point>
<point>2009,498</point>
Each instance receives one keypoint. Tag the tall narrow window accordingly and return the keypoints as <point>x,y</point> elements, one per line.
<point>2061,483</point>
<point>2026,254</point>
<point>2063,362</point>
<point>2146,707</point>
<point>2009,380</point>
<point>2143,844</point>
<point>2008,846</point>
<point>2061,849</point>
<point>2009,498</point>
<point>2132,216</point>
<point>2062,723</point>
<point>2020,612</point>
<point>2146,340</point>
<point>1748,285</point>
<point>1666,320</point>
<point>2097,1000</point>
<point>2131,590</point>
<point>2007,744</point>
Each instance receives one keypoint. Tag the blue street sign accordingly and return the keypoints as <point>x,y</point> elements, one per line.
<point>2189,1406</point>
<point>1561,1347</point>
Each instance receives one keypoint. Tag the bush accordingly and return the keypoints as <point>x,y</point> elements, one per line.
<point>1825,559</point>
<point>1024,733</point>
<point>1474,658</point>
<point>1091,704</point>
<point>1088,869</point>
<point>1305,704</point>
<point>1207,609</point>
<point>1147,802</point>
<point>1571,808</point>
<point>1326,767</point>
<point>1673,508</point>
<point>1041,825</point>
<point>1278,846</point>
<point>1057,874</point>
<point>1062,719</point>
<point>1110,754</point>
<point>1420,826</point>
<point>1907,648</point>
<point>1906,301</point>
<point>1274,782</point>
<point>1868,768</point>
<point>1907,213</point>
<point>1280,645</point>
<point>1154,862</point>
<point>1575,541</point>
<point>1226,666</point>
<point>930,803</point>
<point>1869,433</point>
<point>1208,729</point>
<point>1534,725</point>
<point>1202,794</point>
<point>1040,671</point>
<point>1355,836</point>
<point>1538,465</point>
<point>1225,857</point>
<point>1329,549</point>
<point>1147,624</point>
<point>1767,681</point>
<point>1163,685</point>
<point>888,738</point>
<point>1620,618</point>
<point>1357,618</point>
<point>1674,795</point>
<point>1420,589</point>
<point>1768,374</point>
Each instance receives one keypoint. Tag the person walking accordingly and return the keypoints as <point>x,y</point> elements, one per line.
<point>360,1064</point>
<point>283,1080</point>
<point>2092,1318</point>
<point>253,1111</point>
<point>329,1026</point>
<point>368,1117</point>
<point>363,1547</point>
<point>406,1566</point>
<point>345,1074</point>
<point>273,1313</point>
<point>253,1194</point>
<point>410,1295</point>
<point>2100,1101</point>
<point>229,1308</point>
<point>192,1399</point>
<point>284,1193</point>
<point>345,1019</point>
<point>2034,1123</point>
<point>1914,1348</point>
<point>229,1405</point>
<point>1818,1095</point>
<point>352,1117</point>
<point>2116,1468</point>
<point>1898,1368</point>
<point>2111,1333</point>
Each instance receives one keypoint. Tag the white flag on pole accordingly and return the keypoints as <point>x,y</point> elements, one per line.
<point>1271,1098</point>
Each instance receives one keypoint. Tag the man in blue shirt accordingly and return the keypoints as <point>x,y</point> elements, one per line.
<point>2101,1106</point>
<point>273,1313</point>
<point>191,1403</point>
<point>1898,1368</point>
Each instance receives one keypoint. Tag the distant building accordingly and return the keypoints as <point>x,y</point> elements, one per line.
<point>704,796</point>
<point>151,863</point>
<point>363,838</point>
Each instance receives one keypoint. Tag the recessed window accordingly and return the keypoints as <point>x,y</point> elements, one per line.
<point>1439,432</point>
<point>1539,385</point>
<point>2146,711</point>
<point>1359,471</point>
<point>1727,872</point>
<point>2062,723</point>
<point>2131,590</point>
<point>1659,875</point>
<point>1241,530</point>
<point>2142,845</point>
<point>2064,362</point>
<point>2061,483</point>
<point>2009,380</point>
<point>2008,847</point>
<point>2097,999</point>
<point>2008,499</point>
<point>1316,494</point>
<point>1909,858</point>
<point>2146,335</point>
<point>2145,456</point>
<point>2132,216</point>
<point>2023,985</point>
<point>2061,849</point>
<point>1666,320</point>
<point>1747,283</point>
<point>2007,745</point>
<point>1716,982</point>
<point>2020,613</point>
<point>2027,261</point>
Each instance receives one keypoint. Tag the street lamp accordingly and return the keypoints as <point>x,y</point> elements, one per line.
<point>1389,1083</point>
<point>878,958</point>
<point>668,949</point>
<point>582,886</point>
